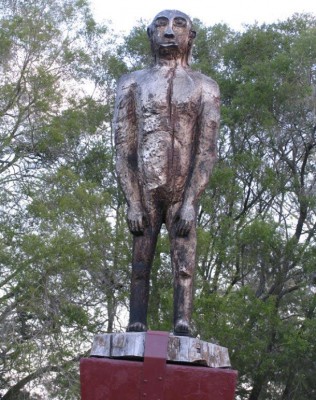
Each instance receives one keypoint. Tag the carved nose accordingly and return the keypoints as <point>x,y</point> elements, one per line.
<point>169,33</point>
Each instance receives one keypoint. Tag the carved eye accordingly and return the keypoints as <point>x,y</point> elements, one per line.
<point>181,22</point>
<point>161,21</point>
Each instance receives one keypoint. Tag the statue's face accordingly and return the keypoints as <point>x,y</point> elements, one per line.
<point>171,33</point>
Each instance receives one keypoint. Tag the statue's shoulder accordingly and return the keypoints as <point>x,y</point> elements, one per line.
<point>207,84</point>
<point>129,80</point>
<point>126,81</point>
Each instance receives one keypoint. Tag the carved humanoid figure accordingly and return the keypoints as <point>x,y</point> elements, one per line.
<point>166,123</point>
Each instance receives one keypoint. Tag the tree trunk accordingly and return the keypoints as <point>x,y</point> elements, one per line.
<point>257,387</point>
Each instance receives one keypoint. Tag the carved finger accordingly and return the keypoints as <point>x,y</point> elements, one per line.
<point>180,227</point>
<point>145,221</point>
<point>132,226</point>
<point>189,226</point>
<point>136,226</point>
<point>139,226</point>
<point>184,228</point>
<point>142,226</point>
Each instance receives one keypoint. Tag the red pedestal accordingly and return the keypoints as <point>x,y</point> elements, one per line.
<point>153,379</point>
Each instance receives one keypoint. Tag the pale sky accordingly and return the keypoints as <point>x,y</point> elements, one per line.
<point>125,13</point>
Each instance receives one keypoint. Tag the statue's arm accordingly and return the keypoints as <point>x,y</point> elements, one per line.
<point>205,155</point>
<point>125,134</point>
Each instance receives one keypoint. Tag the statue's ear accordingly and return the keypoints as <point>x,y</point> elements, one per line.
<point>192,34</point>
<point>149,32</point>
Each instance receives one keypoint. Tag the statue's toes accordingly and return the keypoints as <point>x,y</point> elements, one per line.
<point>136,327</point>
<point>182,328</point>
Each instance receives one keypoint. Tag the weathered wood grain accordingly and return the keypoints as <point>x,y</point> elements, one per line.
<point>181,349</point>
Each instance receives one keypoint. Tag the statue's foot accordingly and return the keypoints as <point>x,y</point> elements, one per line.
<point>182,328</point>
<point>136,327</point>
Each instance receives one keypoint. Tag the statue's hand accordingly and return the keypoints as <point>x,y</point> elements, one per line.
<point>136,219</point>
<point>185,219</point>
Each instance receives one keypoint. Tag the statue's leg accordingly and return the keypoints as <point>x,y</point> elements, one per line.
<point>143,255</point>
<point>183,258</point>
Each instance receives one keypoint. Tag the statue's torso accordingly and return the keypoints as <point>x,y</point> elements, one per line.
<point>168,103</point>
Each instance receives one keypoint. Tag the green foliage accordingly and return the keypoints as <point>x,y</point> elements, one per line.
<point>136,48</point>
<point>257,219</point>
<point>59,213</point>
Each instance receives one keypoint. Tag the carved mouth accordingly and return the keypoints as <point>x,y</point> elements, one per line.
<point>169,45</point>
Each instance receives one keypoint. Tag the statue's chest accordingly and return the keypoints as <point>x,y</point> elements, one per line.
<point>166,92</point>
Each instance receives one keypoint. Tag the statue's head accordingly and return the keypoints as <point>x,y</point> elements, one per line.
<point>171,35</point>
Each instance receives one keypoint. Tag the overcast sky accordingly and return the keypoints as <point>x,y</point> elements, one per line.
<point>125,13</point>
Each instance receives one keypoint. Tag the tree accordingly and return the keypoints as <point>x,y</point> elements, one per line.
<point>258,231</point>
<point>56,90</point>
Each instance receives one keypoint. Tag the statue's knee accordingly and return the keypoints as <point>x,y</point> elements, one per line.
<point>185,273</point>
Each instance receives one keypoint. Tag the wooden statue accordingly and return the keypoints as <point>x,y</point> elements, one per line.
<point>166,124</point>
